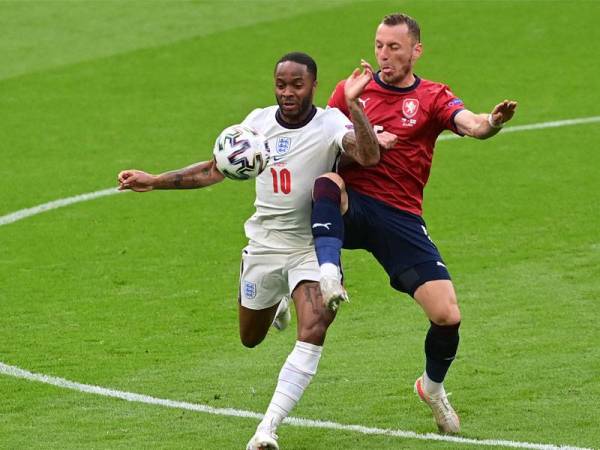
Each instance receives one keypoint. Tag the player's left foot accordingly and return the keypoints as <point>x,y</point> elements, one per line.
<point>333,292</point>
<point>446,418</point>
<point>263,440</point>
<point>283,316</point>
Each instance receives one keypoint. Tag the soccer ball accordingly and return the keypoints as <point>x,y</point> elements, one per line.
<point>241,152</point>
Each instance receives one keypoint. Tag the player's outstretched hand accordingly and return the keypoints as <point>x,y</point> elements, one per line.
<point>503,112</point>
<point>357,81</point>
<point>136,180</point>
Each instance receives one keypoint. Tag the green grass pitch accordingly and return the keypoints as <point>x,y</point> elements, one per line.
<point>137,292</point>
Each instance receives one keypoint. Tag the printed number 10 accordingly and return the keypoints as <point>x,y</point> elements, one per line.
<point>283,181</point>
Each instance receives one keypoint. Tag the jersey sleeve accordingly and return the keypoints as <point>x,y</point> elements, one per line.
<point>338,99</point>
<point>337,126</point>
<point>250,120</point>
<point>447,106</point>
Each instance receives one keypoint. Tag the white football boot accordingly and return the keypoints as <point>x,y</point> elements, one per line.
<point>283,316</point>
<point>263,440</point>
<point>333,292</point>
<point>446,418</point>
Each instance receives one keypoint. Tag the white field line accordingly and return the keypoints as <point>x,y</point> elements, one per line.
<point>535,126</point>
<point>23,213</point>
<point>17,372</point>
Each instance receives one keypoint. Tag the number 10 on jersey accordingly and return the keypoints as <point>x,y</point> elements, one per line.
<point>282,180</point>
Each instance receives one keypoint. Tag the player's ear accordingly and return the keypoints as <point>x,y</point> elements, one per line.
<point>417,51</point>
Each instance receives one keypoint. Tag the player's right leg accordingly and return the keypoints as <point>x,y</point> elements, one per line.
<point>330,202</point>
<point>301,364</point>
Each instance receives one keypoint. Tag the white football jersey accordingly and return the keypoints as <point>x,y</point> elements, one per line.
<point>299,154</point>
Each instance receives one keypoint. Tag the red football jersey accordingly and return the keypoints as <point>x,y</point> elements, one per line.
<point>417,115</point>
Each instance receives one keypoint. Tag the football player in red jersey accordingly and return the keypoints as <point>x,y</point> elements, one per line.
<point>378,208</point>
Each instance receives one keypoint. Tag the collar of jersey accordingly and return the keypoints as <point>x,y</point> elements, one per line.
<point>389,87</point>
<point>293,126</point>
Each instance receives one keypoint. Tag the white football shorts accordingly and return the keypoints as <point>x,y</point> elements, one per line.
<point>268,274</point>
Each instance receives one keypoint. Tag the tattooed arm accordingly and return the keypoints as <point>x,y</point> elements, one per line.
<point>362,145</point>
<point>195,176</point>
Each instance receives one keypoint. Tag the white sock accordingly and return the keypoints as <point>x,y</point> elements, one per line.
<point>330,270</point>
<point>430,386</point>
<point>294,378</point>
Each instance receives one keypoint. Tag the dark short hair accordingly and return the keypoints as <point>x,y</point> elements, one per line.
<point>300,58</point>
<point>400,18</point>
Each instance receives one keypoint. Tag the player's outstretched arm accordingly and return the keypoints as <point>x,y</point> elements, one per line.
<point>483,126</point>
<point>195,176</point>
<point>362,145</point>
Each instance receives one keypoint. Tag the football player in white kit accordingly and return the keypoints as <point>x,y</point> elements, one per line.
<point>280,260</point>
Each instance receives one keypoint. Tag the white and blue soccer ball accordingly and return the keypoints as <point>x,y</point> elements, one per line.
<point>241,152</point>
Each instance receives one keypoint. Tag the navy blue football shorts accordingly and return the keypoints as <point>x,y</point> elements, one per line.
<point>397,239</point>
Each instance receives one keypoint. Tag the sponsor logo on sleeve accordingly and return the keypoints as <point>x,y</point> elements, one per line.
<point>455,101</point>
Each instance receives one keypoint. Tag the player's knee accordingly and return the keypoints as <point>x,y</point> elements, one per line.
<point>333,177</point>
<point>250,343</point>
<point>330,189</point>
<point>447,314</point>
<point>451,318</point>
<point>250,340</point>
<point>329,186</point>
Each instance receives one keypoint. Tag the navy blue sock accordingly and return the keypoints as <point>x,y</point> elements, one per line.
<point>441,344</point>
<point>326,221</point>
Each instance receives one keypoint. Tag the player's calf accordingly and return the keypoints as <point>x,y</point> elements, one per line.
<point>295,376</point>
<point>328,232</point>
<point>326,221</point>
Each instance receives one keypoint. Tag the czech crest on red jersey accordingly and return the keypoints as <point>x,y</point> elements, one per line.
<point>410,106</point>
